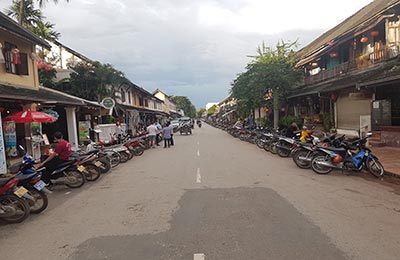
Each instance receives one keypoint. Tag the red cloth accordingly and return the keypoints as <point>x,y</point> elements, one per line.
<point>63,149</point>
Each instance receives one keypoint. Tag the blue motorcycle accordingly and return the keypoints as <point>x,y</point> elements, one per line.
<point>345,158</point>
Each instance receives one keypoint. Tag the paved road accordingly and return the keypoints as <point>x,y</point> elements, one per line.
<point>213,195</point>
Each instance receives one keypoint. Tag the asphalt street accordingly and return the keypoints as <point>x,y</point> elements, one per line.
<point>213,197</point>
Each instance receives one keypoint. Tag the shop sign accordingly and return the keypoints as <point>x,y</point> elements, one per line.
<point>3,164</point>
<point>84,130</point>
<point>10,137</point>
<point>108,103</point>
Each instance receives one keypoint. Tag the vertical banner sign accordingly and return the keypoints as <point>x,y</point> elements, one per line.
<point>3,164</point>
<point>10,136</point>
<point>84,130</point>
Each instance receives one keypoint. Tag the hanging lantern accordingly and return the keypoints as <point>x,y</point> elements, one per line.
<point>48,67</point>
<point>375,33</point>
<point>364,39</point>
<point>15,57</point>
<point>314,64</point>
<point>41,65</point>
<point>333,97</point>
<point>333,54</point>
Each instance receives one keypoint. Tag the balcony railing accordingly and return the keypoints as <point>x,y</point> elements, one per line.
<point>360,62</point>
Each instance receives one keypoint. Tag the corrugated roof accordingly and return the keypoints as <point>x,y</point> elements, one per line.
<point>8,24</point>
<point>364,15</point>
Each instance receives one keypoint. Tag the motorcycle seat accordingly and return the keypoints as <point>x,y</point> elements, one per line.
<point>66,163</point>
<point>4,181</point>
<point>90,152</point>
<point>24,177</point>
<point>333,149</point>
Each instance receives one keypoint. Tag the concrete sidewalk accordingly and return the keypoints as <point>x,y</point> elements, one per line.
<point>390,158</point>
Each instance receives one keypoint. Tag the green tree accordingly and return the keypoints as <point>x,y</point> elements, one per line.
<point>184,103</point>
<point>93,80</point>
<point>22,3</point>
<point>32,19</point>
<point>211,110</point>
<point>272,71</point>
<point>200,112</point>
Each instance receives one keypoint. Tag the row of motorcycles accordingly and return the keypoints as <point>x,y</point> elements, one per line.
<point>26,193</point>
<point>322,155</point>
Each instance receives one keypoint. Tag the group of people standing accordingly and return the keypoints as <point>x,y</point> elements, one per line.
<point>157,133</point>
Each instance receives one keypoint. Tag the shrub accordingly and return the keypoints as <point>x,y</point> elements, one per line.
<point>284,122</point>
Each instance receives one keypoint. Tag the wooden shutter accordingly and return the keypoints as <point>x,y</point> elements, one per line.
<point>23,67</point>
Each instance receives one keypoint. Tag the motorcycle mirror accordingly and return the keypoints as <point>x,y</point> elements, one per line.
<point>369,134</point>
<point>21,147</point>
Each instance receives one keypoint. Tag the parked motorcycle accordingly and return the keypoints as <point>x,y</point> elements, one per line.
<point>345,159</point>
<point>13,209</point>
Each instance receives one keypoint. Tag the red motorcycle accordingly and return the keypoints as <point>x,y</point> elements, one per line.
<point>136,146</point>
<point>13,209</point>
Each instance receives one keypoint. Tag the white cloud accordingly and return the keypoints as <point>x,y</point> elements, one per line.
<point>188,47</point>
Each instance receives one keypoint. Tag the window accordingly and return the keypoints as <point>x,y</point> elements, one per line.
<point>129,98</point>
<point>146,103</point>
<point>122,95</point>
<point>141,101</point>
<point>15,61</point>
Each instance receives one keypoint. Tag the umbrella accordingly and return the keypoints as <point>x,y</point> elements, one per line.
<point>30,116</point>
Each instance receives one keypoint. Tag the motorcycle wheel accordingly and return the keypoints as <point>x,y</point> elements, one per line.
<point>375,167</point>
<point>301,163</point>
<point>283,152</point>
<point>266,146</point>
<point>41,201</point>
<point>115,159</point>
<point>319,168</point>
<point>137,151</point>
<point>260,143</point>
<point>272,148</point>
<point>92,172</point>
<point>20,206</point>
<point>130,155</point>
<point>124,157</point>
<point>105,165</point>
<point>74,179</point>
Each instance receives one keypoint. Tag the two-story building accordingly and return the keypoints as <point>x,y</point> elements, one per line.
<point>137,107</point>
<point>169,107</point>
<point>20,89</point>
<point>351,72</point>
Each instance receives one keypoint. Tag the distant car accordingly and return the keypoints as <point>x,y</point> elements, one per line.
<point>185,121</point>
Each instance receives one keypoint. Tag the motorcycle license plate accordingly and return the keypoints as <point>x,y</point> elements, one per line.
<point>81,168</point>
<point>39,185</point>
<point>98,163</point>
<point>21,191</point>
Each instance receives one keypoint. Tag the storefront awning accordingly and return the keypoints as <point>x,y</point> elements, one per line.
<point>43,95</point>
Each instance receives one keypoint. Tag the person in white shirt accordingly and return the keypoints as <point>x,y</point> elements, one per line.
<point>152,130</point>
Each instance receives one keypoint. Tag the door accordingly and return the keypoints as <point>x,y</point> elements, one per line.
<point>381,114</point>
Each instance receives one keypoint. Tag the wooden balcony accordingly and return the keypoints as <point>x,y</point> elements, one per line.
<point>361,62</point>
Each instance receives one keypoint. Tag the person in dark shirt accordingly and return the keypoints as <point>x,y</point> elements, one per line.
<point>292,130</point>
<point>61,154</point>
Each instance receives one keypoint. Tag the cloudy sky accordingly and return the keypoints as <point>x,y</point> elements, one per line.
<point>188,47</point>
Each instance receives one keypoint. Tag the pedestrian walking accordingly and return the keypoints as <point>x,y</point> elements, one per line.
<point>152,130</point>
<point>167,132</point>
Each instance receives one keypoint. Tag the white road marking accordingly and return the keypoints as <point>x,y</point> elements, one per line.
<point>198,152</point>
<point>198,176</point>
<point>199,257</point>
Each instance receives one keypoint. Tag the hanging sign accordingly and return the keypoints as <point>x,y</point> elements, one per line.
<point>3,163</point>
<point>108,103</point>
<point>10,137</point>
